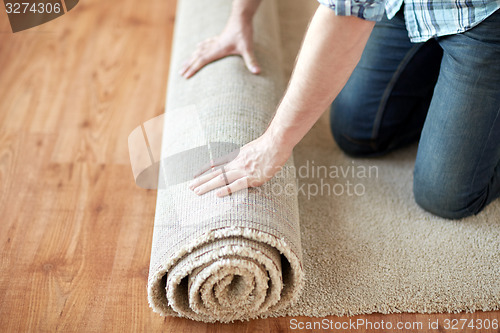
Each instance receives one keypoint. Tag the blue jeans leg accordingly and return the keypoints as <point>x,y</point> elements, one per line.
<point>384,103</point>
<point>457,170</point>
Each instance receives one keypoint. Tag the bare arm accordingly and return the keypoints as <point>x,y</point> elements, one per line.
<point>332,47</point>
<point>245,8</point>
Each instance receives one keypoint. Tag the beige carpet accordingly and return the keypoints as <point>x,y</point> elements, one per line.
<point>364,245</point>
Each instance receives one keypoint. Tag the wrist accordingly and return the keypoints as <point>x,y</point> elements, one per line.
<point>244,10</point>
<point>240,19</point>
<point>280,137</point>
<point>286,129</point>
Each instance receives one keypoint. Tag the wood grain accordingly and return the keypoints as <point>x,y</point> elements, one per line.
<point>75,231</point>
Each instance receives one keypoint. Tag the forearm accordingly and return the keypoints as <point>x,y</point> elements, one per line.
<point>244,9</point>
<point>331,49</point>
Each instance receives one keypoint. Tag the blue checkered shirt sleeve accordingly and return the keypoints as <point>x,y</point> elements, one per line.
<point>372,10</point>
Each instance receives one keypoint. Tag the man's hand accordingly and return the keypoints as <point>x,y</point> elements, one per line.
<point>255,163</point>
<point>235,39</point>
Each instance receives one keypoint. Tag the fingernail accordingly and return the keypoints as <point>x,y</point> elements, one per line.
<point>197,191</point>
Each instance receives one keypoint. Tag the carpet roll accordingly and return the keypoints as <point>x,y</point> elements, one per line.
<point>237,257</point>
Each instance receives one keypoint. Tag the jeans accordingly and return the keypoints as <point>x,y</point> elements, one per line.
<point>446,94</point>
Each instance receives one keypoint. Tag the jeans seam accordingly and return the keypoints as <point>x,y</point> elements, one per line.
<point>389,89</point>
<point>478,163</point>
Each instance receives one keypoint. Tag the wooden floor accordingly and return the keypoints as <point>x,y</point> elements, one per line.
<point>75,231</point>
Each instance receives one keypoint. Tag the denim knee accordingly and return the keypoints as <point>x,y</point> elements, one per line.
<point>351,145</point>
<point>440,197</point>
<point>349,136</point>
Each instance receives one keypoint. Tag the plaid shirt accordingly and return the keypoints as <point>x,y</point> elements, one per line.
<point>424,18</point>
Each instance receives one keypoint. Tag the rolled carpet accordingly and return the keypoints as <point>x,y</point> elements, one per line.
<point>238,257</point>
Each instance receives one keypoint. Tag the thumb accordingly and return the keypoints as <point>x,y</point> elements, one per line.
<point>251,61</point>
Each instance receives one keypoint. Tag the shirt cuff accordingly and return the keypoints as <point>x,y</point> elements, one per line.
<point>372,10</point>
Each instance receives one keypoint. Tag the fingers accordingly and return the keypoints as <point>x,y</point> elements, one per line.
<point>193,68</point>
<point>213,49</point>
<point>189,62</point>
<point>205,178</point>
<point>196,65</point>
<point>216,179</point>
<point>213,163</point>
<point>251,61</point>
<point>217,162</point>
<point>205,53</point>
<point>239,184</point>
